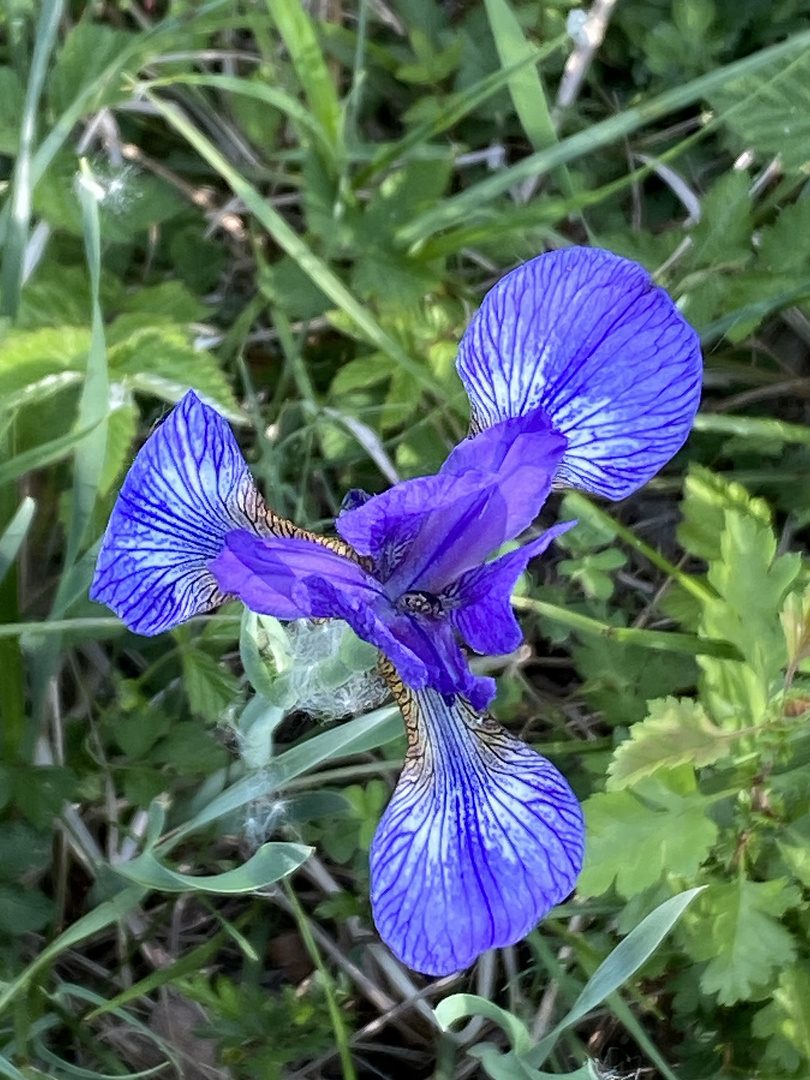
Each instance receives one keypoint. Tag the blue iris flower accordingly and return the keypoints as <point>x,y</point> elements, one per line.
<point>580,371</point>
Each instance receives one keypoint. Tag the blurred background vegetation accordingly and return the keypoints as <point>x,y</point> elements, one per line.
<point>294,209</point>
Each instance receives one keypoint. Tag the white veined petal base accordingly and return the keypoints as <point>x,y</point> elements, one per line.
<point>482,837</point>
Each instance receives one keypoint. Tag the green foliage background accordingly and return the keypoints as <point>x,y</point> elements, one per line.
<point>294,210</point>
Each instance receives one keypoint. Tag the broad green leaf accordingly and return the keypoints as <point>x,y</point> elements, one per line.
<point>210,687</point>
<point>15,533</point>
<point>87,50</point>
<point>268,865</point>
<point>735,929</point>
<point>676,732</point>
<point>785,1020</point>
<point>636,842</point>
<point>23,909</point>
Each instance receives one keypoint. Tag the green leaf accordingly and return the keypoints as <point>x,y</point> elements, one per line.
<point>84,54</point>
<point>41,790</point>
<point>769,109</point>
<point>751,583</point>
<point>525,86</point>
<point>299,36</point>
<point>636,842</point>
<point>676,732</point>
<point>458,1006</point>
<point>11,107</point>
<point>707,496</point>
<point>24,849</point>
<point>735,928</point>
<point>15,533</point>
<point>211,688</point>
<point>785,1020</point>
<point>616,969</point>
<point>23,909</point>
<point>269,864</point>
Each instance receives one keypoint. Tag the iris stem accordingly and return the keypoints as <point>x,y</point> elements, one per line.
<point>663,641</point>
<point>698,589</point>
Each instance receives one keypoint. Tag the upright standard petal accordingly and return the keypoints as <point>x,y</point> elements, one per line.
<point>482,837</point>
<point>589,339</point>
<point>187,488</point>
<point>424,533</point>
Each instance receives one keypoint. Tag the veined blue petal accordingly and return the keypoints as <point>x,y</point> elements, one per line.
<point>484,617</point>
<point>588,338</point>
<point>482,837</point>
<point>426,532</point>
<point>187,488</point>
<point>294,578</point>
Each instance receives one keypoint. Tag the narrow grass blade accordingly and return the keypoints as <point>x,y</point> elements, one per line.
<point>40,456</point>
<point>295,26</point>
<point>111,911</point>
<point>12,539</point>
<point>356,737</point>
<point>454,109</point>
<point>268,95</point>
<point>94,404</point>
<point>525,86</point>
<point>624,961</point>
<point>753,427</point>
<point>286,237</point>
<point>461,207</point>
<point>583,508</point>
<point>11,273</point>
<point>661,641</point>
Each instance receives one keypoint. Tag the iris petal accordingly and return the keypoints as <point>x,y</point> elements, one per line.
<point>482,837</point>
<point>484,617</point>
<point>424,533</point>
<point>586,337</point>
<point>187,488</point>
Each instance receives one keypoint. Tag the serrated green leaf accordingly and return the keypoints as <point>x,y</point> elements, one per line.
<point>785,1020</point>
<point>769,110</point>
<point>211,688</point>
<point>735,928</point>
<point>706,498</point>
<point>675,732</point>
<point>636,843</point>
<point>163,355</point>
<point>751,583</point>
